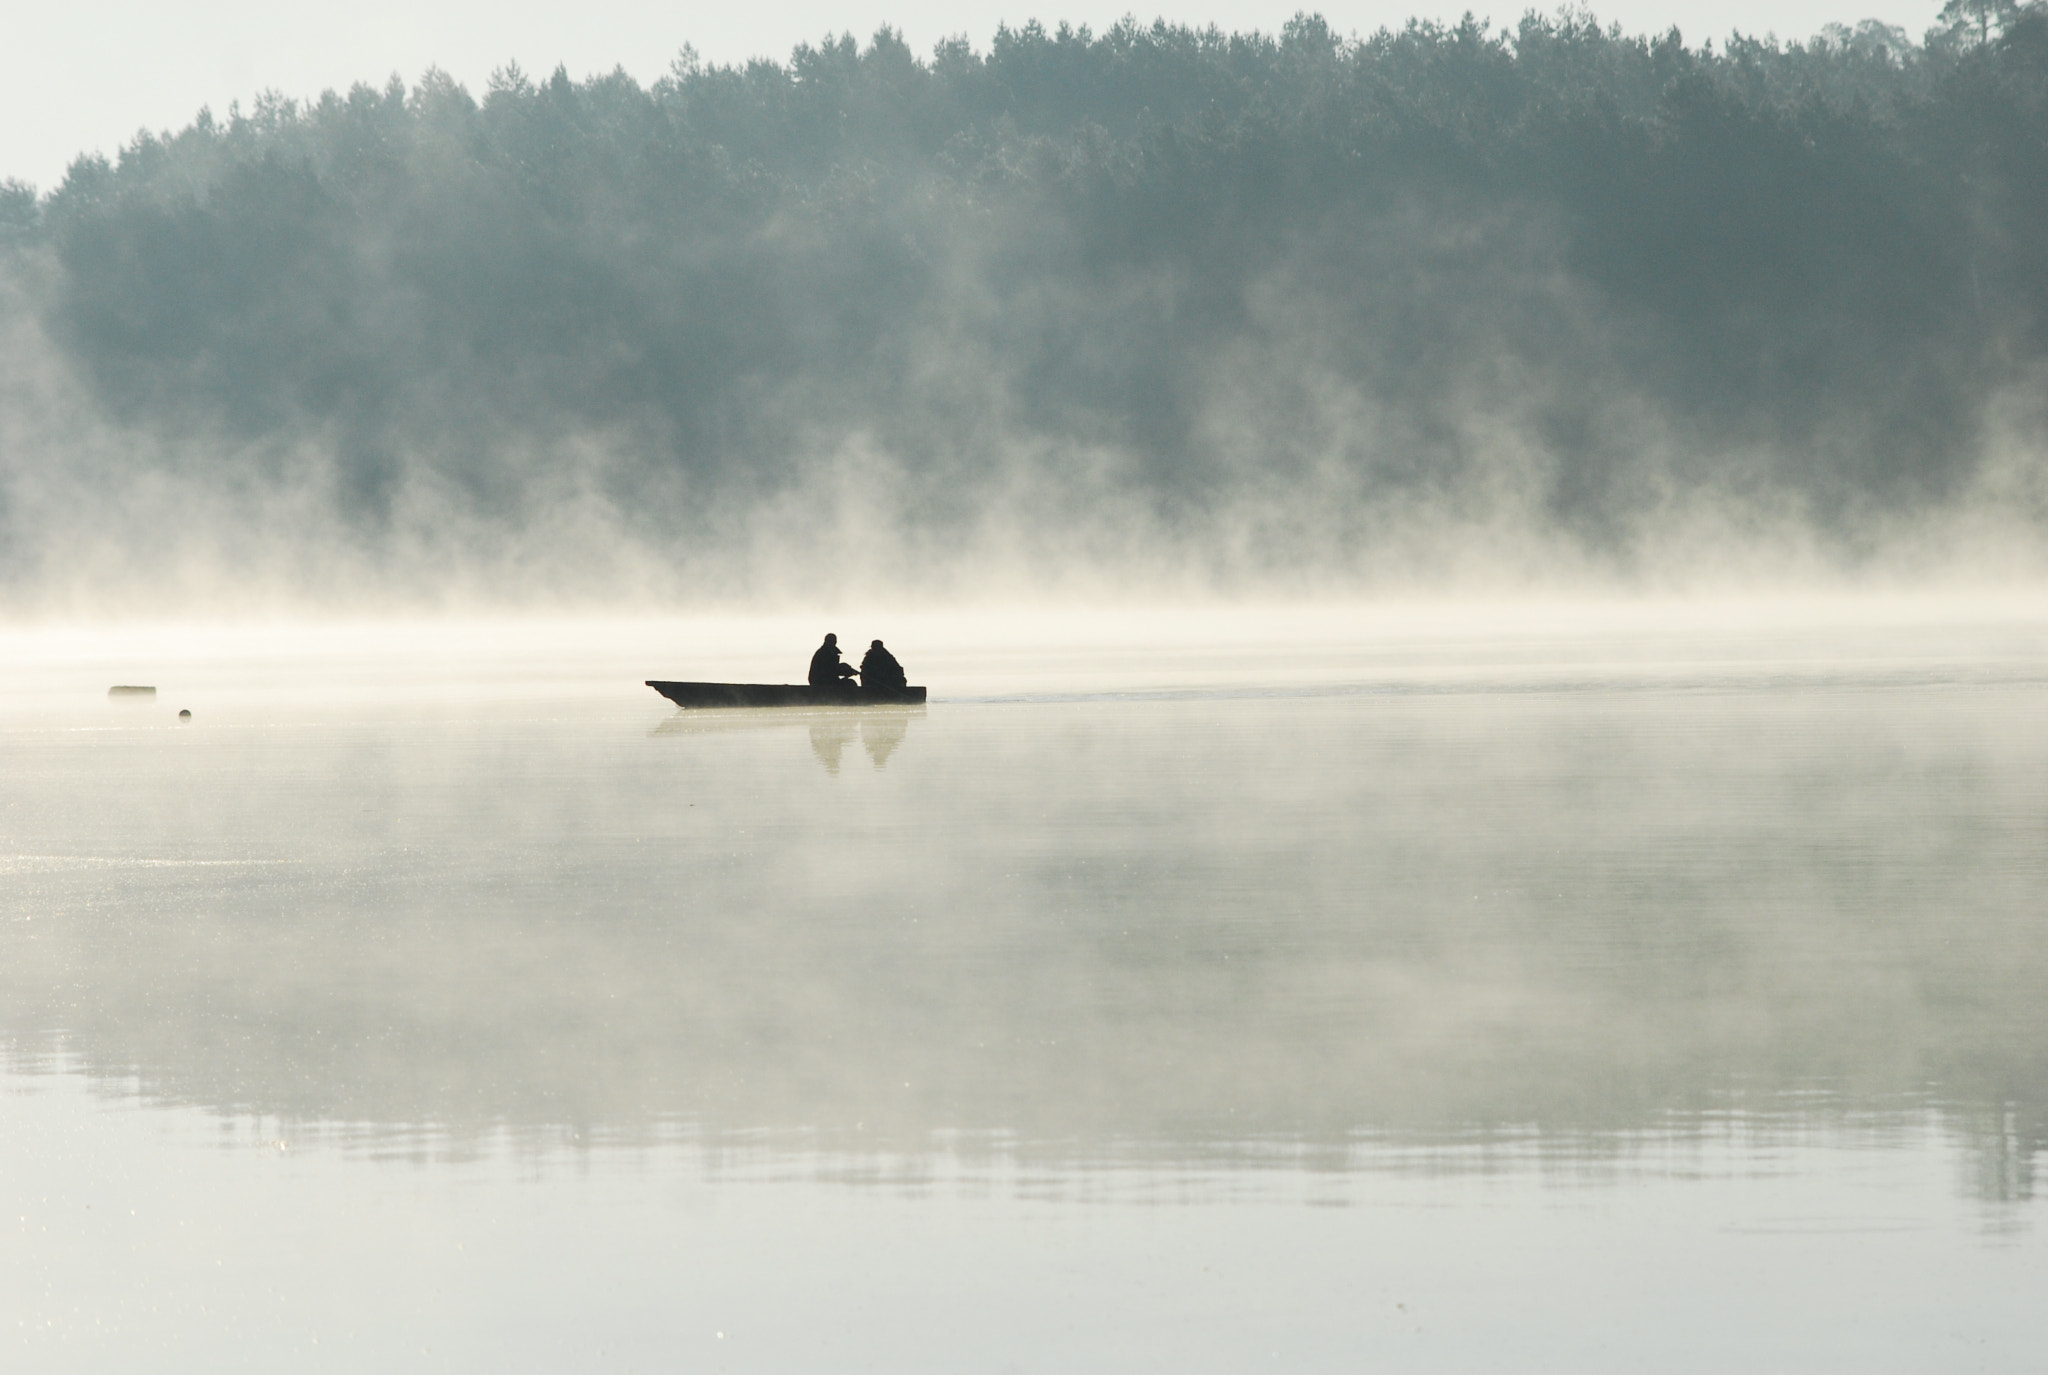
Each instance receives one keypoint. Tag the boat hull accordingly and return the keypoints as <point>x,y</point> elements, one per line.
<point>785,695</point>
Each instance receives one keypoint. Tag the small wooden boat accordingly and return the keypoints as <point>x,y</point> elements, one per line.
<point>786,695</point>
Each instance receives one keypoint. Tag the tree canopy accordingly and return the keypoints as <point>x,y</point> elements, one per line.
<point>1180,267</point>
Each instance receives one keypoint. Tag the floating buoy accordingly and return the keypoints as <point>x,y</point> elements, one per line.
<point>184,716</point>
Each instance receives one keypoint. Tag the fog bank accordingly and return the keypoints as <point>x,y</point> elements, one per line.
<point>1162,311</point>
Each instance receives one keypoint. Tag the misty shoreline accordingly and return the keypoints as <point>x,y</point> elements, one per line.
<point>1160,313</point>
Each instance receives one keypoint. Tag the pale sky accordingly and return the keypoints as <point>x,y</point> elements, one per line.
<point>85,75</point>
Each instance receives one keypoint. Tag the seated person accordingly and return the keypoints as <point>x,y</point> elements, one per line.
<point>826,670</point>
<point>879,669</point>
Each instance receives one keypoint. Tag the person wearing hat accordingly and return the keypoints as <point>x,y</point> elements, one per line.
<point>879,669</point>
<point>826,670</point>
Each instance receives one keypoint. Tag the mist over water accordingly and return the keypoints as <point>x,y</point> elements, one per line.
<point>1482,798</point>
<point>1429,899</point>
<point>1160,311</point>
<point>1237,983</point>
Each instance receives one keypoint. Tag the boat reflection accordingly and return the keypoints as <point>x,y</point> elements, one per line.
<point>879,734</point>
<point>879,730</point>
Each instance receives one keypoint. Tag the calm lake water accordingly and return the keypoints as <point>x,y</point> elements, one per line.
<point>1182,993</point>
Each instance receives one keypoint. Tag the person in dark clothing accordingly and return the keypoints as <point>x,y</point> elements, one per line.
<point>879,669</point>
<point>826,670</point>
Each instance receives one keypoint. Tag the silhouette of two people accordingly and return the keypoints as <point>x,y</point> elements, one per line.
<point>878,667</point>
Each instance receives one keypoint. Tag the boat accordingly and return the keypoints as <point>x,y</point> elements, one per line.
<point>786,695</point>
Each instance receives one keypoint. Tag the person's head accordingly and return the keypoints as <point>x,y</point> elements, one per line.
<point>876,645</point>
<point>831,639</point>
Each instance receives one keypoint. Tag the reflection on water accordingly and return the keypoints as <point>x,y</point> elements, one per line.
<point>1425,1018</point>
<point>878,729</point>
<point>1078,931</point>
<point>878,732</point>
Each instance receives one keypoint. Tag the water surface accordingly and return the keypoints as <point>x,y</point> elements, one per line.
<point>1595,997</point>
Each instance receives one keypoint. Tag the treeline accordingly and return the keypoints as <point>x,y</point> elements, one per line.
<point>1555,266</point>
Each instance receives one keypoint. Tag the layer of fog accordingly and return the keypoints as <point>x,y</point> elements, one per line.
<point>1531,882</point>
<point>1078,316</point>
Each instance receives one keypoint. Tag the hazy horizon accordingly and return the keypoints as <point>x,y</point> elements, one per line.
<point>1157,313</point>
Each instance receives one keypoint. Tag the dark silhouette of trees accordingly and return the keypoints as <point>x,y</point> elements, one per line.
<point>1814,263</point>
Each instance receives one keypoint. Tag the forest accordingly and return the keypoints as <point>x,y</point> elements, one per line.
<point>1252,305</point>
